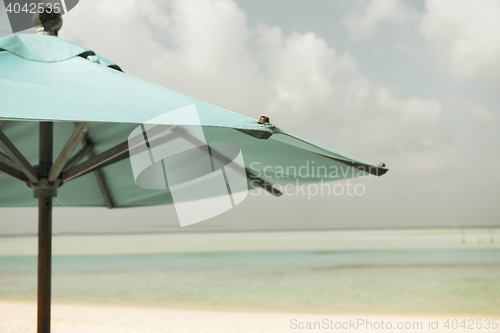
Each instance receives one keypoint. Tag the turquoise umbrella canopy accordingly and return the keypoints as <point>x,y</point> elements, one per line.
<point>46,79</point>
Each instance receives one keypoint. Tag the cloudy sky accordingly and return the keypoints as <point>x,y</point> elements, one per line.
<point>414,84</point>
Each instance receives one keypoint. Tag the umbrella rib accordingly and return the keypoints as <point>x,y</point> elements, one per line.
<point>13,172</point>
<point>18,158</point>
<point>104,190</point>
<point>256,133</point>
<point>263,183</point>
<point>134,151</point>
<point>6,160</point>
<point>360,166</point>
<point>95,161</point>
<point>110,154</point>
<point>226,161</point>
<point>87,148</point>
<point>97,174</point>
<point>67,151</point>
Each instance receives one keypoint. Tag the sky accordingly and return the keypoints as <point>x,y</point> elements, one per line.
<point>413,84</point>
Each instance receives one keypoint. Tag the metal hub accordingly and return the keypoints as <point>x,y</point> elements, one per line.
<point>44,187</point>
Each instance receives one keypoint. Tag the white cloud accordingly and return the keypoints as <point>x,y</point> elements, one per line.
<point>464,37</point>
<point>315,85</point>
<point>461,36</point>
<point>482,116</point>
<point>478,138</point>
<point>367,18</point>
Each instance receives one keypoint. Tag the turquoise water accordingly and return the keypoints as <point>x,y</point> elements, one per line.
<point>445,281</point>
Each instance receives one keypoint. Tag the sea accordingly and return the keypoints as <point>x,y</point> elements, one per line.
<point>395,272</point>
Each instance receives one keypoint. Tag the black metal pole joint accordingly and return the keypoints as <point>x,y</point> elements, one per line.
<point>44,187</point>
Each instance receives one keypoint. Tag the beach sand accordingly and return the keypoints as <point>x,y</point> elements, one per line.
<point>20,317</point>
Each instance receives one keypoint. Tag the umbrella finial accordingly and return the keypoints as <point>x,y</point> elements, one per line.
<point>264,120</point>
<point>47,22</point>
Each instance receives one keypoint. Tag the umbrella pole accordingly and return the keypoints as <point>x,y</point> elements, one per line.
<point>44,233</point>
<point>44,262</point>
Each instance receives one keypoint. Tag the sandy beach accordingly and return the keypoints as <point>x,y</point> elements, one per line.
<point>20,317</point>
